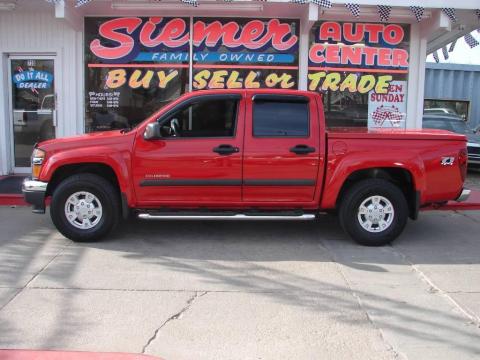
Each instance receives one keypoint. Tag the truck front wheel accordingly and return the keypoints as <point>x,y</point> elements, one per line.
<point>85,207</point>
<point>373,212</point>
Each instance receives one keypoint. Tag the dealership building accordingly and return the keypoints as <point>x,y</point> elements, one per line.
<point>70,67</point>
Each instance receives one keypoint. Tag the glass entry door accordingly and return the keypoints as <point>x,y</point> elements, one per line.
<point>33,105</point>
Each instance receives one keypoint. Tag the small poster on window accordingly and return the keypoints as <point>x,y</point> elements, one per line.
<point>388,110</point>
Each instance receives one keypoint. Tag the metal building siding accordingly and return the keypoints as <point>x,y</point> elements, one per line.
<point>41,33</point>
<point>455,82</point>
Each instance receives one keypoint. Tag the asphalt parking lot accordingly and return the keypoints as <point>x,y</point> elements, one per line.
<point>243,290</point>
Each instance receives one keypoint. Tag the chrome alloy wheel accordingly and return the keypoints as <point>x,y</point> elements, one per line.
<point>83,210</point>
<point>376,214</point>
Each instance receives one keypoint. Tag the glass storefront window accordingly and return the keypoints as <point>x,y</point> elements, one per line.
<point>133,67</point>
<point>361,69</point>
<point>136,65</point>
<point>33,105</point>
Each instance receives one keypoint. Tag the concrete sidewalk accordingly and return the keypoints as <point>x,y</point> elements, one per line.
<point>243,290</point>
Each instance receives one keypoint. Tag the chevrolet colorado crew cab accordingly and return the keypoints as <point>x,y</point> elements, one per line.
<point>260,154</point>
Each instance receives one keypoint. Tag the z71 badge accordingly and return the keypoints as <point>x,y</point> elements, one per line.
<point>447,160</point>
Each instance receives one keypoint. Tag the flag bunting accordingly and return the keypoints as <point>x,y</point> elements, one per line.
<point>384,12</point>
<point>471,41</point>
<point>323,3</point>
<point>450,12</point>
<point>418,11</point>
<point>191,2</point>
<point>452,45</point>
<point>78,3</point>
<point>354,9</point>
<point>445,52</point>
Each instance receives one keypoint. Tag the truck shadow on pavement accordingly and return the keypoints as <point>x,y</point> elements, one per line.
<point>312,265</point>
<point>308,265</point>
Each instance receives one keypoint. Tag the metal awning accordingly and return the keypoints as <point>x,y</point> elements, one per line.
<point>436,25</point>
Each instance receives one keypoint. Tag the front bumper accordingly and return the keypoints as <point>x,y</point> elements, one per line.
<point>34,193</point>
<point>474,161</point>
<point>463,195</point>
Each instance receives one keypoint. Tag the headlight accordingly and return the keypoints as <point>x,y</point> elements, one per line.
<point>37,160</point>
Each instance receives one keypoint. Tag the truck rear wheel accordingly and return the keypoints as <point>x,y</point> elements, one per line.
<point>373,212</point>
<point>85,207</point>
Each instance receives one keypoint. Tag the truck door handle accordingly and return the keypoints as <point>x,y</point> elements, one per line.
<point>226,149</point>
<point>302,149</point>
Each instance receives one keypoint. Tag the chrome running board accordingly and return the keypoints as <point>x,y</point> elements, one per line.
<point>302,217</point>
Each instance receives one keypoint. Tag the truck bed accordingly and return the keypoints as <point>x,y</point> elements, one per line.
<point>420,134</point>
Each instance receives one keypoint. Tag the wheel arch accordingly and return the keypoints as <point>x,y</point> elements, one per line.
<point>400,177</point>
<point>65,171</point>
<point>98,168</point>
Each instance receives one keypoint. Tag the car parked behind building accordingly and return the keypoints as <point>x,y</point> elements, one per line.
<point>456,124</point>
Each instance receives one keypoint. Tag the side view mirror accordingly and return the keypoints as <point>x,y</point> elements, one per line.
<point>152,131</point>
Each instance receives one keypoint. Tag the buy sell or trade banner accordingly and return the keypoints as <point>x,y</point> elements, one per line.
<point>136,65</point>
<point>227,53</point>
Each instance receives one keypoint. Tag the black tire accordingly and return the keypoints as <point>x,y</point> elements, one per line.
<point>356,195</point>
<point>96,185</point>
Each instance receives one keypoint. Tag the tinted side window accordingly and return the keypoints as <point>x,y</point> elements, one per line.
<point>277,118</point>
<point>209,118</point>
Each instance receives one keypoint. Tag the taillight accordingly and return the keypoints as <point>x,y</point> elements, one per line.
<point>462,162</point>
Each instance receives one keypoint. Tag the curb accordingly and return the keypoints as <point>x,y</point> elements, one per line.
<point>12,200</point>
<point>473,203</point>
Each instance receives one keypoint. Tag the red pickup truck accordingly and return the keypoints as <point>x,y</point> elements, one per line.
<point>246,154</point>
